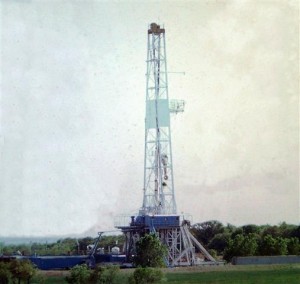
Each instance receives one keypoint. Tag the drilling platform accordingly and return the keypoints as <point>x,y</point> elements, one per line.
<point>158,213</point>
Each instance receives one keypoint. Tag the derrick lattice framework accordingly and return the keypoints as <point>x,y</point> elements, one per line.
<point>158,213</point>
<point>159,196</point>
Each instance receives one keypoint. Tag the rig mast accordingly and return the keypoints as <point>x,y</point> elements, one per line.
<point>158,213</point>
<point>159,196</point>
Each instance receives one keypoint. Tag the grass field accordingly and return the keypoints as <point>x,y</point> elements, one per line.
<point>237,277</point>
<point>265,274</point>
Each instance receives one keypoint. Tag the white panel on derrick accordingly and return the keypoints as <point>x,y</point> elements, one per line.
<point>157,112</point>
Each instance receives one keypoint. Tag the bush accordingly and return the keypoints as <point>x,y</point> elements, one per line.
<point>5,274</point>
<point>79,274</point>
<point>39,279</point>
<point>213,253</point>
<point>104,275</point>
<point>146,276</point>
<point>22,270</point>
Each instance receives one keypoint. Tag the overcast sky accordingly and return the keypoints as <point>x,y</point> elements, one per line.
<point>73,108</point>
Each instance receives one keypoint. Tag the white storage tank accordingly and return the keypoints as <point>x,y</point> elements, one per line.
<point>115,250</point>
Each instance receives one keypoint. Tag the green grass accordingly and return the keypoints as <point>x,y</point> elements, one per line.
<point>236,277</point>
<point>55,279</point>
<point>273,274</point>
<point>263,274</point>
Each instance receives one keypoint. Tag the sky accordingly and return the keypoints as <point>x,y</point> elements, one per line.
<point>73,106</point>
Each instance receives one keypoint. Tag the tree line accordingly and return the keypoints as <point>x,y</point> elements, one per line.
<point>67,246</point>
<point>248,240</point>
<point>223,241</point>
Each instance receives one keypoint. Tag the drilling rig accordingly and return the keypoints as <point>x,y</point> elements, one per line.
<point>158,213</point>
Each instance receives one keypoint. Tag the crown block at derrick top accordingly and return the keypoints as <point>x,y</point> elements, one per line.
<point>155,29</point>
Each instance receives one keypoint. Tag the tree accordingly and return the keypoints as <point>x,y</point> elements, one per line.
<point>5,274</point>
<point>281,246</point>
<point>250,229</point>
<point>273,231</point>
<point>150,252</point>
<point>229,228</point>
<point>241,246</point>
<point>293,246</point>
<point>249,246</point>
<point>237,231</point>
<point>205,231</point>
<point>219,242</point>
<point>273,246</point>
<point>286,230</point>
<point>111,240</point>
<point>84,242</point>
<point>267,245</point>
<point>22,270</point>
<point>296,232</point>
<point>8,250</point>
